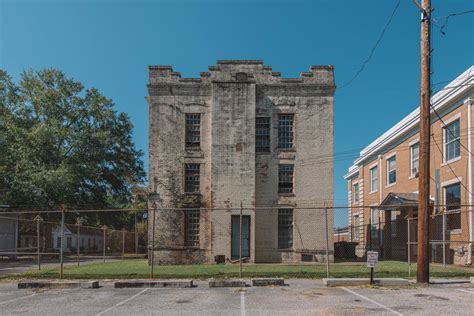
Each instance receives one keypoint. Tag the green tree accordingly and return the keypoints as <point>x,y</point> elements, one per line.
<point>63,144</point>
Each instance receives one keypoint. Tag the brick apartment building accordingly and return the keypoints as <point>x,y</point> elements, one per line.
<point>241,134</point>
<point>384,179</point>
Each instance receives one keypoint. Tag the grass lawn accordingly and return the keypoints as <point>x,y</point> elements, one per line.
<point>138,268</point>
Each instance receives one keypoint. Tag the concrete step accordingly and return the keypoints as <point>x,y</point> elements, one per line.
<point>59,285</point>
<point>153,284</point>
<point>227,283</point>
<point>268,282</point>
<point>365,281</point>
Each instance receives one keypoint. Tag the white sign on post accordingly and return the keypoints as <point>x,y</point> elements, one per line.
<point>372,258</point>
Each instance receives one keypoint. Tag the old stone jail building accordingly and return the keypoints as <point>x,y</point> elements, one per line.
<point>241,133</point>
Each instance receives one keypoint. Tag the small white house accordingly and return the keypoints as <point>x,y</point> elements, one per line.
<point>90,240</point>
<point>8,232</point>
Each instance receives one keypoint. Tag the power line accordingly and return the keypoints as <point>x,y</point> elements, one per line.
<point>454,87</point>
<point>446,17</point>
<point>450,132</point>
<point>372,51</point>
<point>449,166</point>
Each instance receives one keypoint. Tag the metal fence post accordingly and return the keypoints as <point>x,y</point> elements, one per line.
<point>61,251</point>
<point>444,237</point>
<point>240,241</point>
<point>136,235</point>
<point>78,224</point>
<point>123,243</point>
<point>152,272</point>
<point>38,219</point>
<point>370,246</point>
<point>104,242</point>
<point>409,248</point>
<point>327,243</point>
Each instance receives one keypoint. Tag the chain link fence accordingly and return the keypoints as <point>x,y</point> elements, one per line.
<point>52,241</point>
<point>299,242</point>
<point>394,235</point>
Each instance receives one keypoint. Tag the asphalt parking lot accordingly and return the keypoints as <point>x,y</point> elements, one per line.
<point>299,297</point>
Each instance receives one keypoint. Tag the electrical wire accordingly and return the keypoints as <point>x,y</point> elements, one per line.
<point>372,51</point>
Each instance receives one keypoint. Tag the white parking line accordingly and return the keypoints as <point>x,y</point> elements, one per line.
<point>122,302</point>
<point>466,291</point>
<point>242,302</point>
<point>17,299</point>
<point>372,301</point>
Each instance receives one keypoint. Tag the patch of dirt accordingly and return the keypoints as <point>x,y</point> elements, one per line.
<point>183,301</point>
<point>432,297</point>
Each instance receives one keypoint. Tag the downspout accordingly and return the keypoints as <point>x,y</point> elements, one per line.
<point>469,179</point>
<point>380,201</point>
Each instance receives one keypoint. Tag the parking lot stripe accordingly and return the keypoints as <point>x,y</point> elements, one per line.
<point>372,301</point>
<point>122,302</point>
<point>242,303</point>
<point>466,291</point>
<point>17,299</point>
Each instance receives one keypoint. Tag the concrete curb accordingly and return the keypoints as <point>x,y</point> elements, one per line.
<point>59,285</point>
<point>268,282</point>
<point>154,284</point>
<point>365,281</point>
<point>227,283</point>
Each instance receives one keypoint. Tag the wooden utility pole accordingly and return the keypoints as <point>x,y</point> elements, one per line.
<point>422,272</point>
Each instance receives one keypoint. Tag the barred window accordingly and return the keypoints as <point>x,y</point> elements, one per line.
<point>285,130</point>
<point>262,134</point>
<point>191,177</point>
<point>285,178</point>
<point>191,220</point>
<point>193,130</point>
<point>285,228</point>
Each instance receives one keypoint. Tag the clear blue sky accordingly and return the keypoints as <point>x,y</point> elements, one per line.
<point>109,44</point>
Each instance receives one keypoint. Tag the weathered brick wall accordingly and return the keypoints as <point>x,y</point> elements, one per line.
<point>231,171</point>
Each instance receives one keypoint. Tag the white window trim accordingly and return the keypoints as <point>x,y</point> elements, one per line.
<point>388,171</point>
<point>450,120</point>
<point>392,235</point>
<point>354,193</point>
<point>443,127</point>
<point>444,185</point>
<point>449,182</point>
<point>413,143</point>
<point>445,163</point>
<point>375,165</point>
<point>371,207</point>
<point>390,155</point>
<point>355,226</point>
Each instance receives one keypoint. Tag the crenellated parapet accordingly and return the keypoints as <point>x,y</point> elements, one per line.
<point>242,71</point>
